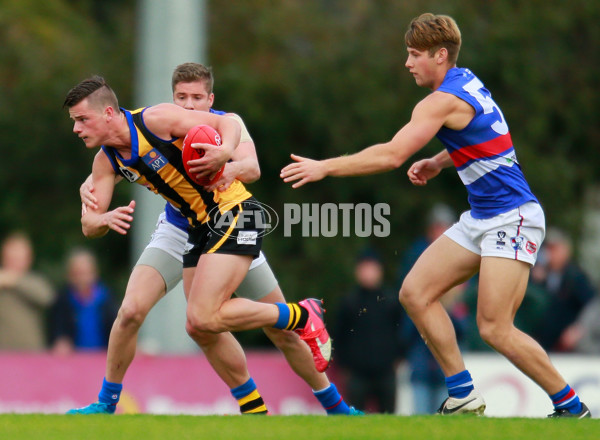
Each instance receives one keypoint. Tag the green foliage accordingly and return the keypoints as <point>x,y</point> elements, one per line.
<point>325,78</point>
<point>47,47</point>
<point>318,78</point>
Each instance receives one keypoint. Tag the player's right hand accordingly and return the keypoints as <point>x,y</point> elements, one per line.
<point>210,163</point>
<point>302,170</point>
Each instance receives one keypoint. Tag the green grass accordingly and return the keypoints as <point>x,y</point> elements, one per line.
<point>149,427</point>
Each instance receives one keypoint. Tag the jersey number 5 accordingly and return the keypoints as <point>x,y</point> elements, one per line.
<point>488,104</point>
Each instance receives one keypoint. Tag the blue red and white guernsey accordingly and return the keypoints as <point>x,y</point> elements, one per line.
<point>483,151</point>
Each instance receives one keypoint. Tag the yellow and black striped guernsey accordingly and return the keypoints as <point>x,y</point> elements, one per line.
<point>157,164</point>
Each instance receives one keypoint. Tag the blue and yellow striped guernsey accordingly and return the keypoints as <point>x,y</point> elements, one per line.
<point>157,164</point>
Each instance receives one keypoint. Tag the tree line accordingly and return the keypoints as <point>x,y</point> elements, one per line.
<point>317,78</point>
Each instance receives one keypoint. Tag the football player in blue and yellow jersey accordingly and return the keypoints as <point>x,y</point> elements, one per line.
<point>144,146</point>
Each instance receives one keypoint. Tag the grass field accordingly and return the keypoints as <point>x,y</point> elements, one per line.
<point>150,427</point>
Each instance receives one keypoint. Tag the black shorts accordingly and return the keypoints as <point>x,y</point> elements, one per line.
<point>238,231</point>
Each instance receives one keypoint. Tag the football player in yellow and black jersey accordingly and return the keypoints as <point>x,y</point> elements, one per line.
<point>144,146</point>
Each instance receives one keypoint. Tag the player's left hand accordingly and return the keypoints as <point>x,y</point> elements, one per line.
<point>120,218</point>
<point>209,164</point>
<point>422,171</point>
<point>303,170</point>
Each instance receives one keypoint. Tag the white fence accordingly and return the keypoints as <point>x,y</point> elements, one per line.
<point>509,393</point>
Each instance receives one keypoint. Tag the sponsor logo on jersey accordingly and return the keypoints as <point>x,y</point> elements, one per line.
<point>531,247</point>
<point>247,237</point>
<point>128,174</point>
<point>517,242</point>
<point>188,247</point>
<point>154,160</point>
<point>501,236</point>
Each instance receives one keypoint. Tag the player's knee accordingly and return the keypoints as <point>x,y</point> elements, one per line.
<point>197,324</point>
<point>492,333</point>
<point>131,316</point>
<point>409,297</point>
<point>202,338</point>
<point>194,330</point>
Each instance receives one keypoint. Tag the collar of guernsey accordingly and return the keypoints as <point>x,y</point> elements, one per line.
<point>157,164</point>
<point>483,151</point>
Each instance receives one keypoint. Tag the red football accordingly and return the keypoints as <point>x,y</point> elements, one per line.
<point>200,134</point>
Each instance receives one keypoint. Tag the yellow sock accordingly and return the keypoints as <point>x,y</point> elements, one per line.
<point>249,398</point>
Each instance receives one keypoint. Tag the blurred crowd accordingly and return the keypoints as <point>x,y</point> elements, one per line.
<point>36,315</point>
<point>560,311</point>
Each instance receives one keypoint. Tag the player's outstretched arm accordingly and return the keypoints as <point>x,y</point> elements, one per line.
<point>428,117</point>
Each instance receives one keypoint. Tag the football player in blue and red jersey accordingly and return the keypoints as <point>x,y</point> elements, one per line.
<point>499,237</point>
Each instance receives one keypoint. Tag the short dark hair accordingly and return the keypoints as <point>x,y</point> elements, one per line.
<point>192,72</point>
<point>95,85</point>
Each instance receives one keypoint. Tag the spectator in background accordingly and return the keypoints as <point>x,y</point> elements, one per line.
<point>82,316</point>
<point>366,337</point>
<point>569,288</point>
<point>24,296</point>
<point>583,336</point>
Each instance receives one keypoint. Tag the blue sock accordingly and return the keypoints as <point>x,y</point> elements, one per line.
<point>332,401</point>
<point>243,390</point>
<point>110,392</point>
<point>284,316</point>
<point>567,399</point>
<point>460,385</point>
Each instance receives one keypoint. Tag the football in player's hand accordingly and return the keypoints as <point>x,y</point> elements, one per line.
<point>200,134</point>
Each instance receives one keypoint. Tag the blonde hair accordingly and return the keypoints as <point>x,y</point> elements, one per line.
<point>432,32</point>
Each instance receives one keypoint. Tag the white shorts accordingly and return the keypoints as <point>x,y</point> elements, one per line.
<point>516,234</point>
<point>169,239</point>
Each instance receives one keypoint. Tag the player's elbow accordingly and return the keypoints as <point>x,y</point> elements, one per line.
<point>253,174</point>
<point>87,233</point>
<point>391,156</point>
<point>395,161</point>
<point>398,156</point>
<point>92,234</point>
